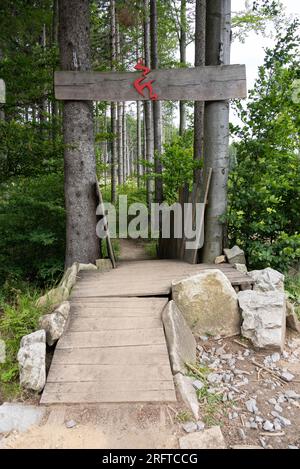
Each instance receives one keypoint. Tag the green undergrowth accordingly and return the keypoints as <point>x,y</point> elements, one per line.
<point>292,288</point>
<point>19,316</point>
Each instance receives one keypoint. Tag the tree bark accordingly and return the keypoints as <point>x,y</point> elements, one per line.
<point>156,105</point>
<point>183,31</point>
<point>138,142</point>
<point>216,128</point>
<point>124,130</point>
<point>113,106</point>
<point>200,31</point>
<point>82,244</point>
<point>147,108</point>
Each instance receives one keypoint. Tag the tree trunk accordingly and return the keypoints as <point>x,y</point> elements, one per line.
<point>147,108</point>
<point>113,106</point>
<point>124,130</point>
<point>120,143</point>
<point>82,244</point>
<point>156,105</point>
<point>200,32</point>
<point>183,31</point>
<point>55,104</point>
<point>138,141</point>
<point>216,128</point>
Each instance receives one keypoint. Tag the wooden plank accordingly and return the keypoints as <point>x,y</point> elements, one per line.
<point>78,324</point>
<point>94,312</point>
<point>2,91</point>
<point>113,395</point>
<point>86,386</point>
<point>138,355</point>
<point>92,373</point>
<point>111,338</point>
<point>110,250</point>
<point>214,83</point>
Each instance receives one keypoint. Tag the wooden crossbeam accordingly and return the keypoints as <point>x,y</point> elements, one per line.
<point>213,83</point>
<point>2,91</point>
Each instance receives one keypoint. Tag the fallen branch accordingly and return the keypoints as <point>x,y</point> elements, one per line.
<point>272,434</point>
<point>195,371</point>
<point>240,343</point>
<point>271,372</point>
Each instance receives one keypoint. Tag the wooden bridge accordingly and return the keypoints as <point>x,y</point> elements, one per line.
<point>114,348</point>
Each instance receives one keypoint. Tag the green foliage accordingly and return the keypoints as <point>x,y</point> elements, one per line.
<point>178,166</point>
<point>292,288</point>
<point>32,228</point>
<point>18,317</point>
<point>264,187</point>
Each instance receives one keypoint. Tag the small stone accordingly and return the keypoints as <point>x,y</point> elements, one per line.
<point>198,384</point>
<point>292,447</point>
<point>214,378</point>
<point>278,408</point>
<point>190,427</point>
<point>263,442</point>
<point>275,357</point>
<point>203,337</point>
<point>251,406</point>
<point>241,434</point>
<point>272,401</point>
<point>285,355</point>
<point>292,394</point>
<point>230,396</point>
<point>246,353</point>
<point>284,422</point>
<point>259,419</point>
<point>71,424</point>
<point>287,376</point>
<point>268,426</point>
<point>200,425</point>
<point>220,260</point>
<point>281,399</point>
<point>253,426</point>
<point>277,425</point>
<point>212,438</point>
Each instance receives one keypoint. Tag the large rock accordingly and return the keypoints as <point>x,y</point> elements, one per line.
<point>53,298</point>
<point>267,280</point>
<point>264,318</point>
<point>70,276</point>
<point>19,417</point>
<point>54,323</point>
<point>180,340</point>
<point>292,320</point>
<point>212,438</point>
<point>208,303</point>
<point>235,255</point>
<point>184,385</point>
<point>32,361</point>
<point>2,351</point>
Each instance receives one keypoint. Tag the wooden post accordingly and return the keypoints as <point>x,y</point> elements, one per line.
<point>216,128</point>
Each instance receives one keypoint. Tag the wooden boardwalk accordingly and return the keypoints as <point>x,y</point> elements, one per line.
<point>113,348</point>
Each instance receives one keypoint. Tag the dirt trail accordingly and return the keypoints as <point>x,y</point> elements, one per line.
<point>100,427</point>
<point>133,250</point>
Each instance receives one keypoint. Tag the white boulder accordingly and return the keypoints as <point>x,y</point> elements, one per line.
<point>32,361</point>
<point>208,303</point>
<point>264,318</point>
<point>267,280</point>
<point>54,323</point>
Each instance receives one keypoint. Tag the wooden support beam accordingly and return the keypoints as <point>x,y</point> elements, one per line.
<point>213,83</point>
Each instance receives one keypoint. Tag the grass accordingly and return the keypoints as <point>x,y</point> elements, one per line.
<point>212,406</point>
<point>18,317</point>
<point>292,288</point>
<point>184,416</point>
<point>151,248</point>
